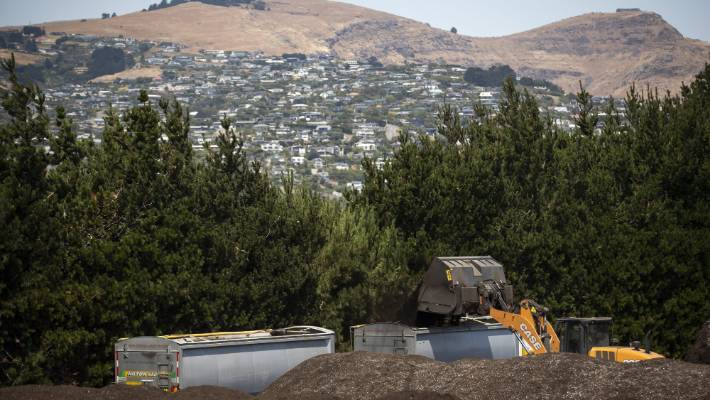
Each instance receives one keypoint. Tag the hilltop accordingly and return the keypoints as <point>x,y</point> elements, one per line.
<point>606,51</point>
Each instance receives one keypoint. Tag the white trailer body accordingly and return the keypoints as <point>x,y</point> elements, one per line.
<point>248,361</point>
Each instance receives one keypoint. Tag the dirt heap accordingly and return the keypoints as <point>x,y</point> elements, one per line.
<point>700,351</point>
<point>418,395</point>
<point>362,375</point>
<point>117,392</point>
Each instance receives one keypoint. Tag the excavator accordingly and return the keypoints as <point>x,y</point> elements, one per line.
<point>457,289</point>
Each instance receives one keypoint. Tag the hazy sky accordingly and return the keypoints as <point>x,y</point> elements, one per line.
<point>470,17</point>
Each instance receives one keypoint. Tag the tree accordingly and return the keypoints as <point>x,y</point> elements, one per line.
<point>136,237</point>
<point>588,223</point>
<point>493,76</point>
<point>30,240</point>
<point>107,60</point>
<point>32,30</point>
<point>454,30</point>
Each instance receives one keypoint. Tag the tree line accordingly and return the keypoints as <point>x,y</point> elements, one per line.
<point>136,236</point>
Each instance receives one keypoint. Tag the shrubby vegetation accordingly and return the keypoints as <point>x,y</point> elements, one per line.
<point>497,74</point>
<point>32,30</point>
<point>299,56</point>
<point>135,237</point>
<point>108,60</point>
<point>491,77</point>
<point>21,40</point>
<point>525,81</point>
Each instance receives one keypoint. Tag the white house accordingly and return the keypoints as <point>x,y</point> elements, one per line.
<point>366,145</point>
<point>272,146</point>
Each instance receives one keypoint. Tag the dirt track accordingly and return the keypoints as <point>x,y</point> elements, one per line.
<point>360,375</point>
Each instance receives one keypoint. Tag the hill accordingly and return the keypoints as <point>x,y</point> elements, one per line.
<point>606,51</point>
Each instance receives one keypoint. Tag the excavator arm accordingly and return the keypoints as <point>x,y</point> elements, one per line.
<point>536,333</point>
<point>458,287</point>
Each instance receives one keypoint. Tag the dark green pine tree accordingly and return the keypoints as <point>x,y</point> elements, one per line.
<point>29,239</point>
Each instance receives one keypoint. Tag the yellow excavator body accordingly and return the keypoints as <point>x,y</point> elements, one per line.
<point>464,286</point>
<point>537,335</point>
<point>622,354</point>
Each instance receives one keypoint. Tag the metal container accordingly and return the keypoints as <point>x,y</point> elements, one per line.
<point>453,287</point>
<point>473,339</point>
<point>248,361</point>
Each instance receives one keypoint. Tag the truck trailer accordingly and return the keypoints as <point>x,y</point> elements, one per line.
<point>248,361</point>
<point>469,339</point>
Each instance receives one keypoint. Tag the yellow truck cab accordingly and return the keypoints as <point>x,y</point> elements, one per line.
<point>591,336</point>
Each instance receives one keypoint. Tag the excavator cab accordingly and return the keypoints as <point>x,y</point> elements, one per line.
<point>580,335</point>
<point>590,336</point>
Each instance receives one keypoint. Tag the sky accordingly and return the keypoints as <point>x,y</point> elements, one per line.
<point>470,17</point>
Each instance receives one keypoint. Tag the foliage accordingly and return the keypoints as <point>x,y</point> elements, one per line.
<point>24,39</point>
<point>32,30</point>
<point>135,237</point>
<point>610,221</point>
<point>108,60</point>
<point>299,56</point>
<point>525,81</point>
<point>493,76</point>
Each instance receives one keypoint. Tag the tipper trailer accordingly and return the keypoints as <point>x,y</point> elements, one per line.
<point>248,361</point>
<point>470,339</point>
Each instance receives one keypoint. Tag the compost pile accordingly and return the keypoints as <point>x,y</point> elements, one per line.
<point>362,375</point>
<point>700,351</point>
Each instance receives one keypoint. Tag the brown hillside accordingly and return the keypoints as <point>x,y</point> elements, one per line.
<point>606,51</point>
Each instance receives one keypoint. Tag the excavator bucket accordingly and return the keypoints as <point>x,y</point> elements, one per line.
<point>454,286</point>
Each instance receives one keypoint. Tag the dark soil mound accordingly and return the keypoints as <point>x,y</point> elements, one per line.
<point>209,393</point>
<point>301,396</point>
<point>65,392</point>
<point>357,375</point>
<point>120,392</point>
<point>362,375</point>
<point>700,351</point>
<point>418,395</point>
<point>117,392</point>
<point>40,392</point>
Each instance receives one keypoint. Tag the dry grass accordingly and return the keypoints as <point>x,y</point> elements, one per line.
<point>606,51</point>
<point>130,74</point>
<point>290,25</point>
<point>22,58</point>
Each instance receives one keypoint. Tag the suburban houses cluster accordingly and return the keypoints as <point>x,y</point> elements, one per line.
<point>313,116</point>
